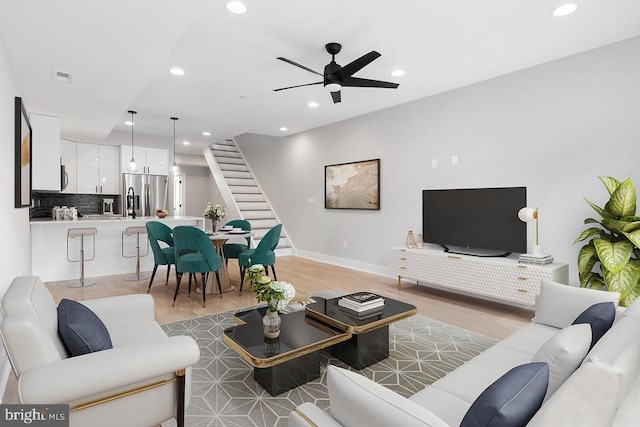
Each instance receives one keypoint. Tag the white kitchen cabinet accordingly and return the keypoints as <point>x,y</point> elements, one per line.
<point>45,153</point>
<point>98,169</point>
<point>150,160</point>
<point>68,160</point>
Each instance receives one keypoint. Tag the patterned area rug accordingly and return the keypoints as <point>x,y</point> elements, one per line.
<point>223,392</point>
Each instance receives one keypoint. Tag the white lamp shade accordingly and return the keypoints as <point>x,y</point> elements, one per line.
<point>527,214</point>
<point>175,169</point>
<point>132,166</point>
<point>333,87</point>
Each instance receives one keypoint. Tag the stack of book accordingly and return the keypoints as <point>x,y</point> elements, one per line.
<point>539,260</point>
<point>361,302</point>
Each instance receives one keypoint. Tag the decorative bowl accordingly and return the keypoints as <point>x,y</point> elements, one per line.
<point>161,213</point>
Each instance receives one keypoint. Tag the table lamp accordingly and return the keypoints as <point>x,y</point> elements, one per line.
<point>528,215</point>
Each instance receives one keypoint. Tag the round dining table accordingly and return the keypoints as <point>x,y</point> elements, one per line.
<point>219,238</point>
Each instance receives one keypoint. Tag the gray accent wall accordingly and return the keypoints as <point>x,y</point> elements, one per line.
<point>553,128</point>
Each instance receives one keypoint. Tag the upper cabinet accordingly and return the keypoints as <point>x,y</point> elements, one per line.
<point>98,169</point>
<point>45,153</point>
<point>68,161</point>
<point>150,160</point>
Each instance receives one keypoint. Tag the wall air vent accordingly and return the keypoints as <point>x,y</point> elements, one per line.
<point>62,76</point>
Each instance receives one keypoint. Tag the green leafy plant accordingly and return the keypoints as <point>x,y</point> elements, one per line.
<point>613,243</point>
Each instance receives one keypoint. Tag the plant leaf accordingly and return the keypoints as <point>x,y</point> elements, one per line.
<point>588,233</point>
<point>602,212</point>
<point>635,293</point>
<point>613,255</point>
<point>612,184</point>
<point>634,237</point>
<point>623,200</point>
<point>618,226</point>
<point>623,281</point>
<point>631,218</point>
<point>591,221</point>
<point>586,260</point>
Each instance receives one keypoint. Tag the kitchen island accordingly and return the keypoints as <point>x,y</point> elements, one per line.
<point>49,246</point>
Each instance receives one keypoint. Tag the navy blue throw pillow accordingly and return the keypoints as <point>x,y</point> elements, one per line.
<point>600,316</point>
<point>512,400</point>
<point>80,329</point>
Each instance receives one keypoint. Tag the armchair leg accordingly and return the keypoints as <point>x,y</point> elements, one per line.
<point>273,268</point>
<point>155,268</point>
<point>219,285</point>
<point>177,288</point>
<point>242,271</point>
<point>190,276</point>
<point>181,396</point>
<point>166,282</point>
<point>204,293</point>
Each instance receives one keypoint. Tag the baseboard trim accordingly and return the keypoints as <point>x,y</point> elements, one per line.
<point>365,267</point>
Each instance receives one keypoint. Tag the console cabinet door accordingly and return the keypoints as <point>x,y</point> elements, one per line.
<point>88,158</point>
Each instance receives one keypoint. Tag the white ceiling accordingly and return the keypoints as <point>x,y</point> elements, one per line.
<point>119,53</point>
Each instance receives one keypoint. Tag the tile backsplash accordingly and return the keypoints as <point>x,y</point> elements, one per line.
<point>85,203</point>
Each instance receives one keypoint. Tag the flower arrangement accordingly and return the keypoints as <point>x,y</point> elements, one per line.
<point>214,213</point>
<point>277,295</point>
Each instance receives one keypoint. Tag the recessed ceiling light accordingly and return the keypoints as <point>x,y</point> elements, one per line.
<point>129,123</point>
<point>177,71</point>
<point>236,7</point>
<point>186,143</point>
<point>564,10</point>
<point>206,133</point>
<point>397,73</point>
<point>283,129</point>
<point>313,105</point>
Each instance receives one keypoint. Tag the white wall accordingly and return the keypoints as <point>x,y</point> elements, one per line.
<point>553,128</point>
<point>15,256</point>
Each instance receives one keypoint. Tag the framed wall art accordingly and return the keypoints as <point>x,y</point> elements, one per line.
<point>22,155</point>
<point>354,185</point>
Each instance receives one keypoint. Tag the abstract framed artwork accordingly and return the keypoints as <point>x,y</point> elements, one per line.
<point>22,155</point>
<point>354,185</point>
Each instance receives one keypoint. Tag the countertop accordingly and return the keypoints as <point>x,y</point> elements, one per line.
<point>107,219</point>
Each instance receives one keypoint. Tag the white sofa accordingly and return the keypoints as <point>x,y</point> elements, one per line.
<point>603,391</point>
<point>142,381</point>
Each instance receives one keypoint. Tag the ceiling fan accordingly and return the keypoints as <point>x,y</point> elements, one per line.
<point>336,77</point>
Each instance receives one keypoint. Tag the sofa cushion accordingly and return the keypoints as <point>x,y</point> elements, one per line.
<point>442,403</point>
<point>529,338</point>
<point>633,310</point>
<point>600,316</point>
<point>628,413</point>
<point>512,400</point>
<point>582,401</point>
<point>80,329</point>
<point>558,305</point>
<point>564,352</point>
<point>357,401</point>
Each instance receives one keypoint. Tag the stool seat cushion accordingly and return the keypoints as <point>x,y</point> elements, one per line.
<point>193,263</point>
<point>81,330</point>
<point>233,250</point>
<point>170,254</point>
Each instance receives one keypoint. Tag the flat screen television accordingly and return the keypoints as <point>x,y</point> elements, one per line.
<point>475,221</point>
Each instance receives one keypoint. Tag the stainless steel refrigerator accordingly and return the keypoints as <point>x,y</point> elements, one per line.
<point>142,194</point>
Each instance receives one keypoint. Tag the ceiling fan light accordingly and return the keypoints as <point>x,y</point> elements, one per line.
<point>333,87</point>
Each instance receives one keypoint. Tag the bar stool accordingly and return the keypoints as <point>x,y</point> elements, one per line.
<point>73,233</point>
<point>130,231</point>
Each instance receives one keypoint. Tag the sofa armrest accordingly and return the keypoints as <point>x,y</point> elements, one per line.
<point>309,415</point>
<point>82,376</point>
<point>122,311</point>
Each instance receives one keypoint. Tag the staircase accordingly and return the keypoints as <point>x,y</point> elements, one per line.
<point>241,192</point>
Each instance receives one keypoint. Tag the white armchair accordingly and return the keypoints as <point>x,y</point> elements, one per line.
<point>142,381</point>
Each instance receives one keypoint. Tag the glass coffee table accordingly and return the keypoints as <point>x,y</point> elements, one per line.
<point>369,331</point>
<point>288,361</point>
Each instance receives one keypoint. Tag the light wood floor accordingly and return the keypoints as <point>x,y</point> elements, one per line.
<point>488,318</point>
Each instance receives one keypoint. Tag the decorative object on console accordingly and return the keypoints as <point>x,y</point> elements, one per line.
<point>615,243</point>
<point>361,302</point>
<point>354,185</point>
<point>529,215</point>
<point>23,135</point>
<point>132,166</point>
<point>215,214</point>
<point>410,243</point>
<point>175,169</point>
<point>276,294</point>
<point>419,242</point>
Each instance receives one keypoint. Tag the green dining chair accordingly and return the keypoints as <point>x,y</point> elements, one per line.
<point>233,250</point>
<point>264,254</point>
<point>159,232</point>
<point>195,254</point>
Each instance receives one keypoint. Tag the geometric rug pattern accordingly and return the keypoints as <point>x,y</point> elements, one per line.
<point>223,392</point>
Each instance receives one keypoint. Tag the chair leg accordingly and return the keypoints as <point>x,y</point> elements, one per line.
<point>177,288</point>
<point>204,293</point>
<point>273,268</point>
<point>166,282</point>
<point>190,276</point>
<point>220,285</point>
<point>180,376</point>
<point>155,268</point>
<point>242,271</point>
<point>226,262</point>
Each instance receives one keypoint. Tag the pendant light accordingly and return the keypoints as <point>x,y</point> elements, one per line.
<point>132,166</point>
<point>175,168</point>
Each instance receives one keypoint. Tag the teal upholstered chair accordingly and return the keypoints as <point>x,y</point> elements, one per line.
<point>195,254</point>
<point>159,232</point>
<point>264,254</point>
<point>233,250</point>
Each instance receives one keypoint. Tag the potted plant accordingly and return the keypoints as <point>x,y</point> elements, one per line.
<point>611,258</point>
<point>215,214</point>
<point>277,295</point>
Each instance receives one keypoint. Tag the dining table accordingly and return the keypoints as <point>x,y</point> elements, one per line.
<point>219,238</point>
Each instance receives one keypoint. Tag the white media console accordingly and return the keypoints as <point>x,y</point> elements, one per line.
<point>498,278</point>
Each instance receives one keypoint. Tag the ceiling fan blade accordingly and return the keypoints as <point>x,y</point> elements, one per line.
<point>291,87</point>
<point>336,97</point>
<point>357,82</point>
<point>357,65</point>
<point>298,65</point>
